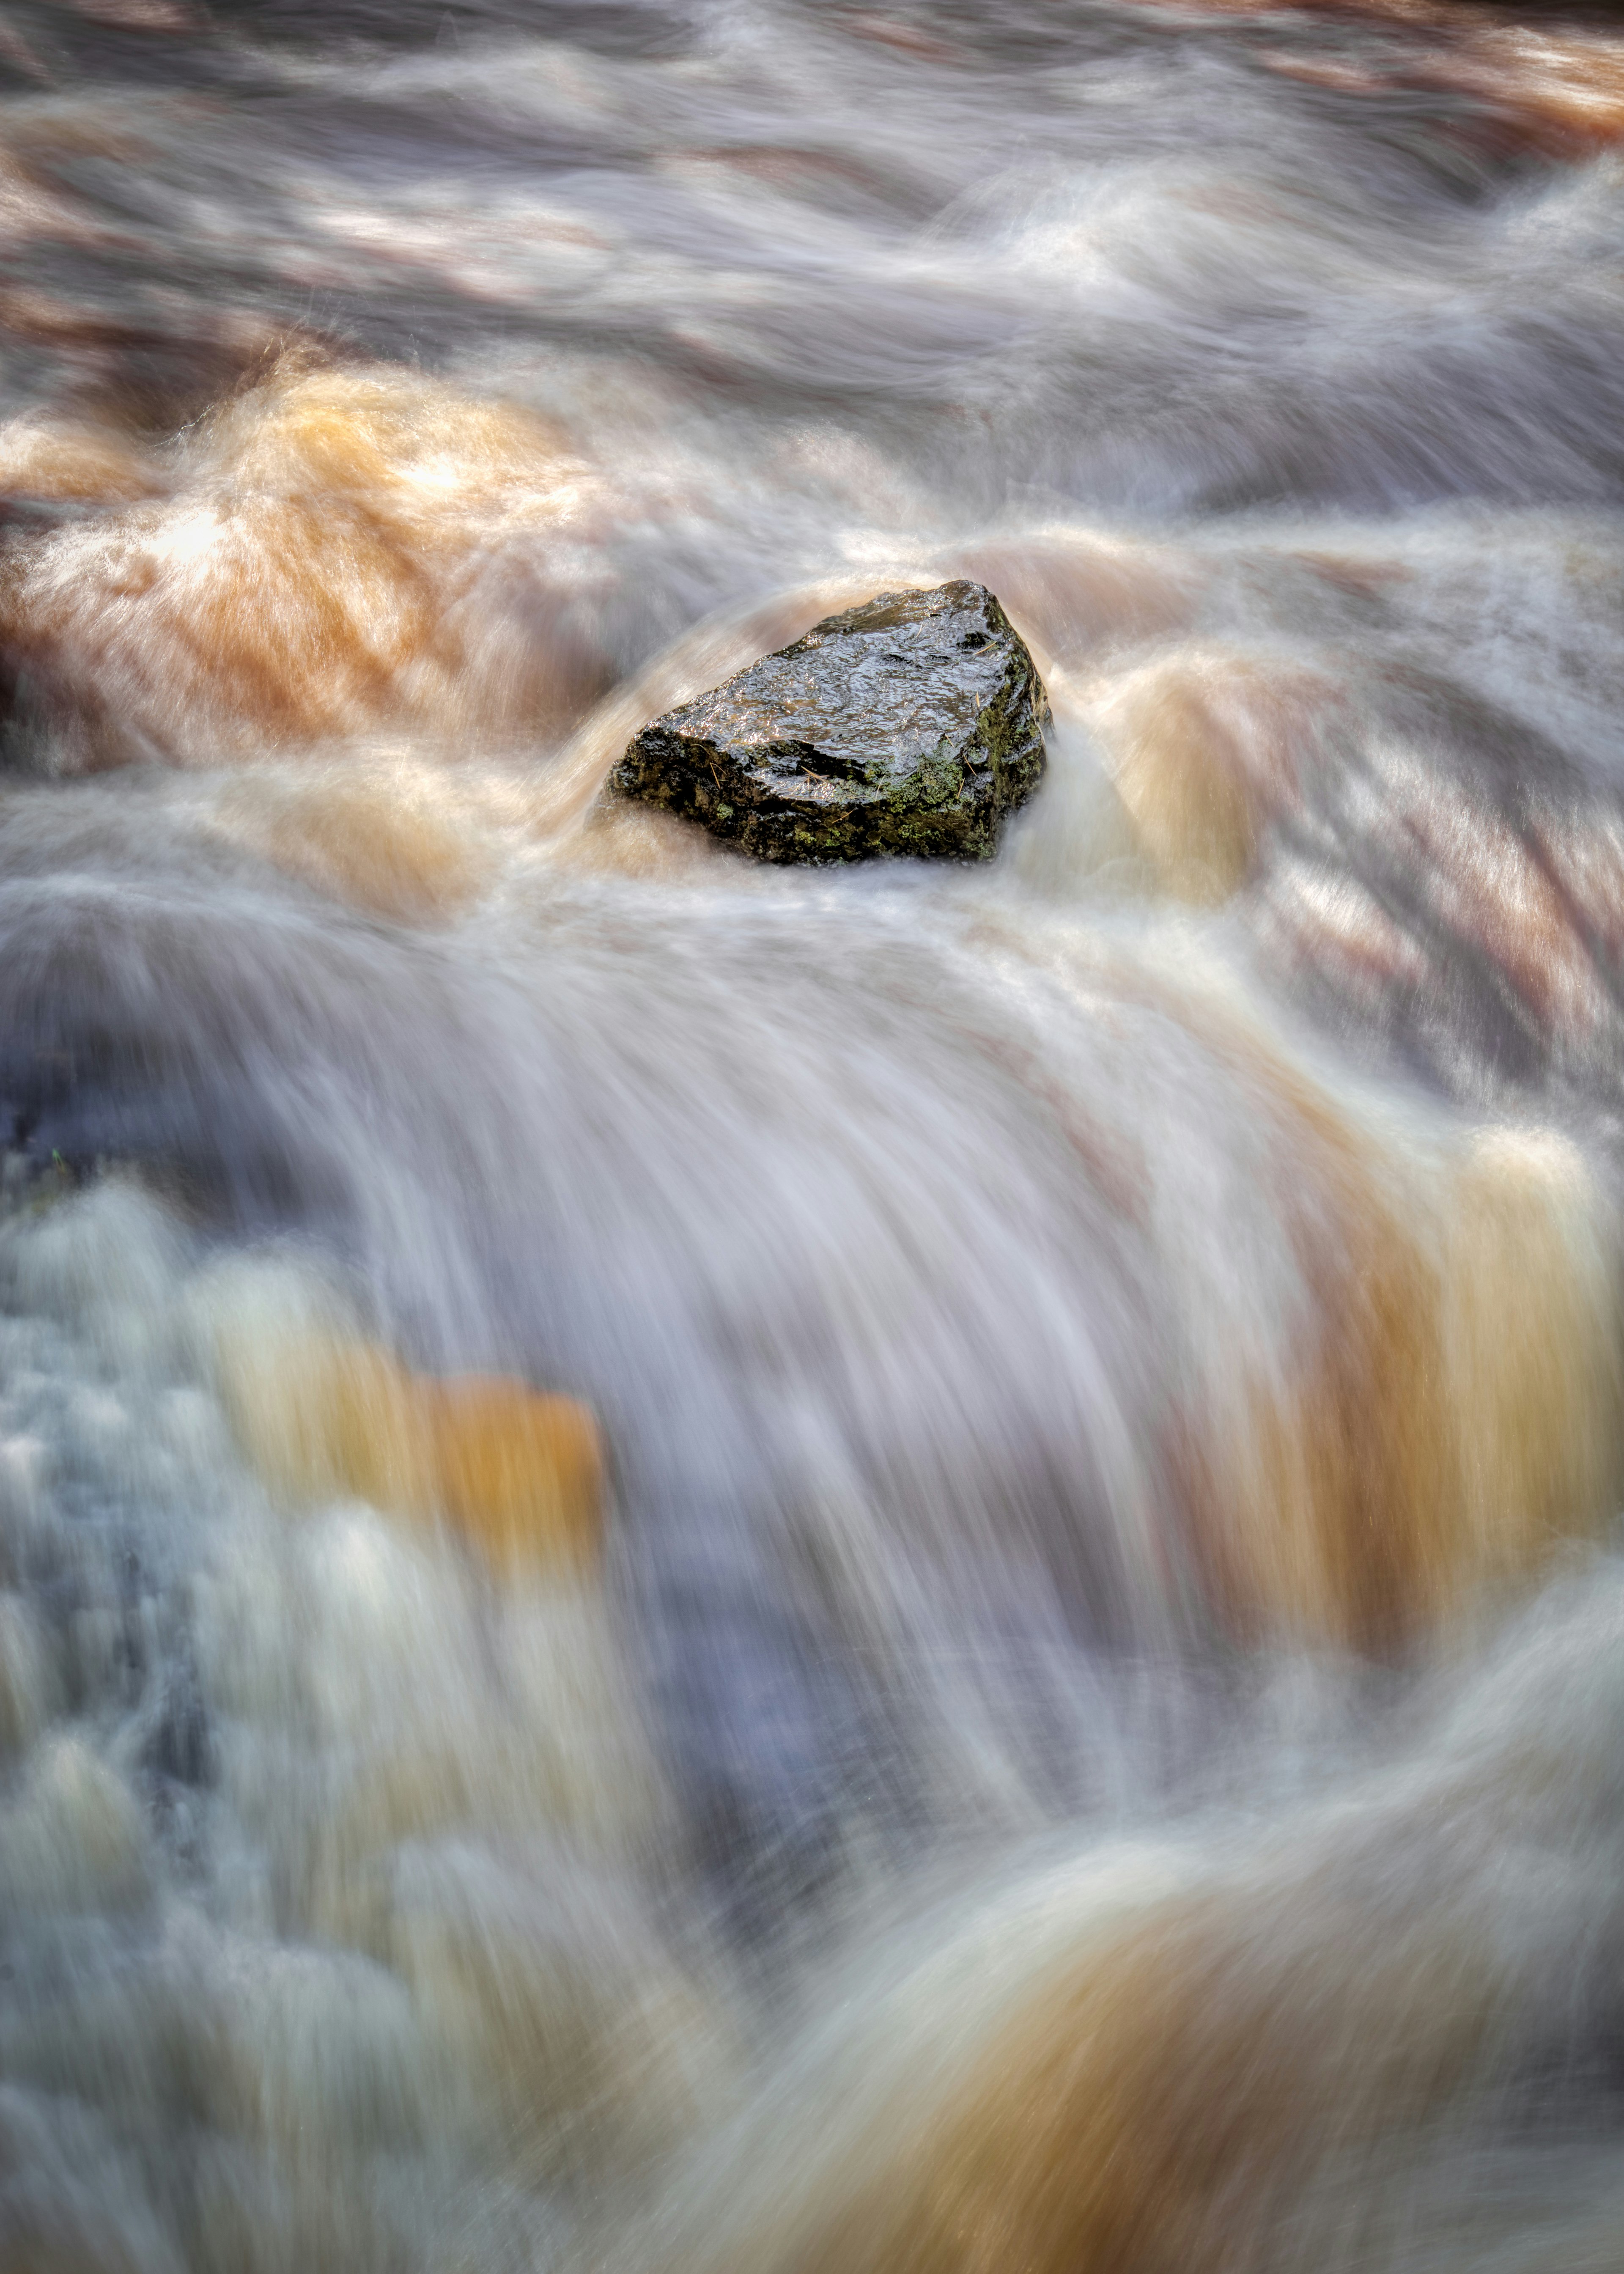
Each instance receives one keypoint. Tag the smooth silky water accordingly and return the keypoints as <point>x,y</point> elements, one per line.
<point>896,1570</point>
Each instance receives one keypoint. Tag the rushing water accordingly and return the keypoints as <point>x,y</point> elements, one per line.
<point>720,1570</point>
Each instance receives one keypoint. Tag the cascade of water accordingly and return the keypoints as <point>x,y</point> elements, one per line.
<point>905,1568</point>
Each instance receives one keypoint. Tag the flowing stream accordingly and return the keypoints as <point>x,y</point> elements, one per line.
<point>905,1570</point>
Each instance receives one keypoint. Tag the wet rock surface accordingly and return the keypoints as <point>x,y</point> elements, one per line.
<point>909,724</point>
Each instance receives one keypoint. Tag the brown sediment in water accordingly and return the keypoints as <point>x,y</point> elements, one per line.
<point>1411,1402</point>
<point>1120,2063</point>
<point>386,836</point>
<point>516,1473</point>
<point>1157,2106</point>
<point>1561,93</point>
<point>1548,77</point>
<point>1078,595</point>
<point>70,461</point>
<point>343,551</point>
<point>1409,1440</point>
<point>1435,891</point>
<point>1205,750</point>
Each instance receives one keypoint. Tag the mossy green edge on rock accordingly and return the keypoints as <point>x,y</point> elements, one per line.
<point>910,724</point>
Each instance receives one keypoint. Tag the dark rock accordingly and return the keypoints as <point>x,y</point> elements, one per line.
<point>910,724</point>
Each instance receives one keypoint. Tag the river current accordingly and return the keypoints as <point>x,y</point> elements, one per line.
<point>908,1570</point>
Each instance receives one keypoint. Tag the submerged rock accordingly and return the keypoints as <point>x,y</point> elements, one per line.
<point>910,724</point>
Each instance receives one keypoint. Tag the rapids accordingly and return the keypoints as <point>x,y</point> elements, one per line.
<point>908,1570</point>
